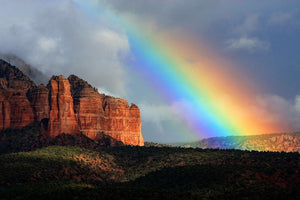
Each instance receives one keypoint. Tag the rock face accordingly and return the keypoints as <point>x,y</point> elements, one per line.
<point>61,118</point>
<point>70,106</point>
<point>16,111</point>
<point>99,113</point>
<point>122,121</point>
<point>39,98</point>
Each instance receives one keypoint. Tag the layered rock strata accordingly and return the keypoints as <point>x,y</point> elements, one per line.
<point>65,106</point>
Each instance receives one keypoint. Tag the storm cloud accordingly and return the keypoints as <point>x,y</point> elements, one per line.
<point>260,36</point>
<point>57,38</point>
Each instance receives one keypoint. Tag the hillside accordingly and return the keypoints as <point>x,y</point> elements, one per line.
<point>148,173</point>
<point>287,142</point>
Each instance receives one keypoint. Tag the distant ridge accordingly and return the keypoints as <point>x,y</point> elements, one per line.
<point>287,142</point>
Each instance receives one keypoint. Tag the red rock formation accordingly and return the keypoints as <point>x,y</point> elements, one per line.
<point>11,77</point>
<point>62,118</point>
<point>21,112</point>
<point>98,113</point>
<point>4,112</point>
<point>87,106</point>
<point>16,110</point>
<point>121,121</point>
<point>39,98</point>
<point>66,106</point>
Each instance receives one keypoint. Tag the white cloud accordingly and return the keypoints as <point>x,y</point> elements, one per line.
<point>274,109</point>
<point>47,44</point>
<point>162,113</point>
<point>297,103</point>
<point>241,37</point>
<point>157,113</point>
<point>250,44</point>
<point>106,91</point>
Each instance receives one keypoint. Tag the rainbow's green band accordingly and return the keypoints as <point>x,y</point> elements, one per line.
<point>220,101</point>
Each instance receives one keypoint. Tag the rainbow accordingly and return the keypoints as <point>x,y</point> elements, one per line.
<point>218,99</point>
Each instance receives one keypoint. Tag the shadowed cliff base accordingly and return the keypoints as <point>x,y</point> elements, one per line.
<point>30,138</point>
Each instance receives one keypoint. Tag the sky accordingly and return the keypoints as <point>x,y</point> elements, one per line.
<point>255,41</point>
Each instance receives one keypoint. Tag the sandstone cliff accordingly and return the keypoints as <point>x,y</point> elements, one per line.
<point>69,106</point>
<point>99,113</point>
<point>16,110</point>
<point>61,117</point>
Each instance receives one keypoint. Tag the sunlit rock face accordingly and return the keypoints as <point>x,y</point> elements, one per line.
<point>122,121</point>
<point>99,113</point>
<point>61,117</point>
<point>65,106</point>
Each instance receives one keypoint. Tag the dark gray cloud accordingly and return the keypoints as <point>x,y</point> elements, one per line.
<point>58,38</point>
<point>260,36</point>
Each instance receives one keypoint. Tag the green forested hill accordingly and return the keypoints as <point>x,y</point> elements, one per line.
<point>126,172</point>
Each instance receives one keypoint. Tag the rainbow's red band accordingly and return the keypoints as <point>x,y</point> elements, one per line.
<point>220,100</point>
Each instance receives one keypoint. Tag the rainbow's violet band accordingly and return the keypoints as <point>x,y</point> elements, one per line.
<point>218,103</point>
<point>173,85</point>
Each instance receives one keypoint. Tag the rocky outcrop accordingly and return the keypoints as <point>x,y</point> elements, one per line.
<point>12,78</point>
<point>61,117</point>
<point>16,109</point>
<point>122,121</point>
<point>99,113</point>
<point>39,98</point>
<point>87,106</point>
<point>4,112</point>
<point>21,112</point>
<point>70,106</point>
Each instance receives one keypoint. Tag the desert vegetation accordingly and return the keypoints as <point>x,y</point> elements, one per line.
<point>129,172</point>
